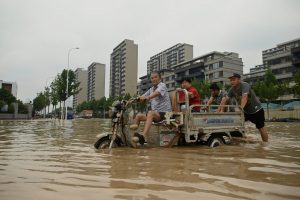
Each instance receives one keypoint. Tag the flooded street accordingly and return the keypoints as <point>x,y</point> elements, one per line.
<point>52,160</point>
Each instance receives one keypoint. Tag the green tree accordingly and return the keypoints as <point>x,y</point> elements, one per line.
<point>39,102</point>
<point>203,88</point>
<point>6,96</point>
<point>22,108</point>
<point>296,88</point>
<point>73,85</point>
<point>2,103</point>
<point>59,87</point>
<point>56,93</point>
<point>268,89</point>
<point>47,98</point>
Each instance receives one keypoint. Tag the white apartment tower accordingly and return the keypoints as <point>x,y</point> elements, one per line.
<point>123,69</point>
<point>170,57</point>
<point>81,77</point>
<point>96,81</point>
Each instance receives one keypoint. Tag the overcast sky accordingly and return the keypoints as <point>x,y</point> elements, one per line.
<point>35,35</point>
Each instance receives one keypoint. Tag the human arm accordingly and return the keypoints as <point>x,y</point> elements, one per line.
<point>149,97</point>
<point>245,92</point>
<point>209,102</point>
<point>193,93</point>
<point>150,94</point>
<point>224,101</point>
<point>244,100</point>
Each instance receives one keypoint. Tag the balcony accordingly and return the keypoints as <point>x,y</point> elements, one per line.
<point>296,56</point>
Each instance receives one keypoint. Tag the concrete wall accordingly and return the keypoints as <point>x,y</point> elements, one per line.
<point>281,114</point>
<point>13,116</point>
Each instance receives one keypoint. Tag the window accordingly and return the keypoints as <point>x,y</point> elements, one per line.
<point>215,66</point>
<point>220,73</point>
<point>221,64</point>
<point>216,74</point>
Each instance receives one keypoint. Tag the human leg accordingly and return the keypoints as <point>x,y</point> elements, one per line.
<point>263,134</point>
<point>258,119</point>
<point>174,102</point>
<point>151,116</point>
<point>136,122</point>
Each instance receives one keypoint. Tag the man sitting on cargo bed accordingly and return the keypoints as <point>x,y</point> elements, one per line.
<point>218,97</point>
<point>160,104</point>
<point>193,95</point>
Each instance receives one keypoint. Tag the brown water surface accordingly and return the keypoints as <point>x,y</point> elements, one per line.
<point>53,160</point>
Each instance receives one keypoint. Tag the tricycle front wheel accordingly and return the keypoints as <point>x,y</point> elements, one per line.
<point>103,143</point>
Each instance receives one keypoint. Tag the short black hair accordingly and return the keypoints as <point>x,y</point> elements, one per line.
<point>214,86</point>
<point>234,75</point>
<point>186,79</point>
<point>156,72</point>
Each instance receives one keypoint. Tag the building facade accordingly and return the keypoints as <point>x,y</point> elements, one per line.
<point>81,77</point>
<point>123,69</point>
<point>256,74</point>
<point>12,87</point>
<point>96,81</point>
<point>213,67</point>
<point>170,57</point>
<point>220,65</point>
<point>283,60</point>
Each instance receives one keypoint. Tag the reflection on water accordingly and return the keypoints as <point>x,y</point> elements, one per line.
<point>52,160</point>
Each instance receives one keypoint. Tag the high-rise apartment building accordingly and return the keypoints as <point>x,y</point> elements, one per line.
<point>170,57</point>
<point>283,60</point>
<point>81,77</point>
<point>96,81</point>
<point>123,69</point>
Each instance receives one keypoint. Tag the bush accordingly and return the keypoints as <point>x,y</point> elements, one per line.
<point>2,103</point>
<point>11,108</point>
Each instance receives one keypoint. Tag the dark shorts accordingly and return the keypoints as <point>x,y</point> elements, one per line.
<point>257,118</point>
<point>161,117</point>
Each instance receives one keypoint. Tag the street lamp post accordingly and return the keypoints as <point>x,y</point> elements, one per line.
<point>66,114</point>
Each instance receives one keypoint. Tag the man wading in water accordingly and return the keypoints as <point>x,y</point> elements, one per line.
<point>249,103</point>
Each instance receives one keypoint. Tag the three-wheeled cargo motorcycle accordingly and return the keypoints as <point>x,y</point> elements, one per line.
<point>178,129</point>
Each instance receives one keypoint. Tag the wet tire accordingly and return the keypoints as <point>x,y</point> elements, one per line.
<point>215,142</point>
<point>103,143</point>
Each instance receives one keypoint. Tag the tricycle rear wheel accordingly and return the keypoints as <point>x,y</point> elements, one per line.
<point>215,142</point>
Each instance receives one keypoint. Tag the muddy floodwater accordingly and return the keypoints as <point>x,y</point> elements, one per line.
<point>53,160</point>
